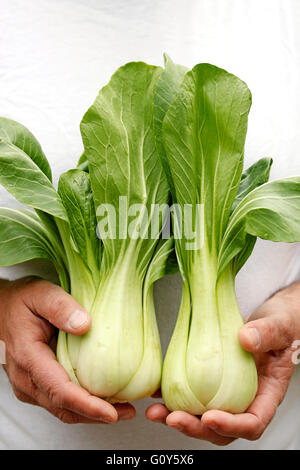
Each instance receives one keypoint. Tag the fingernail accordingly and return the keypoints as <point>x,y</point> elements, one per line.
<point>254,337</point>
<point>78,320</point>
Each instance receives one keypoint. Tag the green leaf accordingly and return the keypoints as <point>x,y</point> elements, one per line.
<point>14,133</point>
<point>26,182</point>
<point>271,212</point>
<point>244,254</point>
<point>204,133</point>
<point>83,164</point>
<point>75,191</point>
<point>166,90</point>
<point>22,237</point>
<point>162,262</point>
<point>120,146</point>
<point>172,263</point>
<point>256,175</point>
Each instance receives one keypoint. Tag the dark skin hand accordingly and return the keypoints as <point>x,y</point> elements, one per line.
<point>30,309</point>
<point>269,335</point>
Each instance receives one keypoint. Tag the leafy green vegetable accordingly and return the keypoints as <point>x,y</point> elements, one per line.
<point>23,237</point>
<point>204,132</point>
<point>120,357</point>
<point>254,176</point>
<point>14,133</point>
<point>153,137</point>
<point>120,148</point>
<point>24,179</point>
<point>83,163</point>
<point>75,191</point>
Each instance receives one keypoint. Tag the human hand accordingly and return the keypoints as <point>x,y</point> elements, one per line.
<point>268,335</point>
<point>30,308</point>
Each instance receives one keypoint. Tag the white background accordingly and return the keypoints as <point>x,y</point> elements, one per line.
<point>54,57</point>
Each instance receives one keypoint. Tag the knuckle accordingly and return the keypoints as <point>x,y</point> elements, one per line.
<point>18,358</point>
<point>32,389</point>
<point>281,329</point>
<point>22,385</point>
<point>54,396</point>
<point>15,351</point>
<point>26,361</point>
<point>223,442</point>
<point>30,280</point>
<point>28,285</point>
<point>268,331</point>
<point>20,395</point>
<point>21,353</point>
<point>256,434</point>
<point>57,305</point>
<point>288,330</point>
<point>66,416</point>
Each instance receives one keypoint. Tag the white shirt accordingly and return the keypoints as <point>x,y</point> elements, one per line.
<point>54,57</point>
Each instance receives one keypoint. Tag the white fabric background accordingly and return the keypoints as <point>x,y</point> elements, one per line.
<point>54,57</point>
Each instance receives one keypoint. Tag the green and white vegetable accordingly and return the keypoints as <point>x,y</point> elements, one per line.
<point>203,134</point>
<point>152,137</point>
<point>120,357</point>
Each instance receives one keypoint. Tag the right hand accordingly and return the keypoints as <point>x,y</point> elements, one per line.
<point>30,309</point>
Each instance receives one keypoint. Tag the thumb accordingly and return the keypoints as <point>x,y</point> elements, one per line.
<point>52,303</point>
<point>272,333</point>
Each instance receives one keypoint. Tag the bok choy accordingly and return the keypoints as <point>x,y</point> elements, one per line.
<point>153,138</point>
<point>203,135</point>
<point>111,276</point>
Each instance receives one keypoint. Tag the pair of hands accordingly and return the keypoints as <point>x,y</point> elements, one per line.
<point>30,309</point>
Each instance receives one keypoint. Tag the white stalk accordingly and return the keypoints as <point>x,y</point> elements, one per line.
<point>205,366</point>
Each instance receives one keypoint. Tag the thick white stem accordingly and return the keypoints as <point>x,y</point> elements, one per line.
<point>112,350</point>
<point>204,357</point>
<point>205,366</point>
<point>147,378</point>
<point>239,376</point>
<point>176,391</point>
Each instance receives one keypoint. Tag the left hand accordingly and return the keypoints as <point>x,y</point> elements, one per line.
<point>268,335</point>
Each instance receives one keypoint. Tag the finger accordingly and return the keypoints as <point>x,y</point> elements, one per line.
<point>252,424</point>
<point>194,427</point>
<point>20,381</point>
<point>55,305</point>
<point>157,413</point>
<point>50,377</point>
<point>125,411</point>
<point>275,332</point>
<point>41,400</point>
<point>22,385</point>
<point>246,426</point>
<point>27,392</point>
<point>23,397</point>
<point>64,415</point>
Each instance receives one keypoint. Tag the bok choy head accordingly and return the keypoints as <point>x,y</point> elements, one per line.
<point>203,135</point>
<point>95,230</point>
